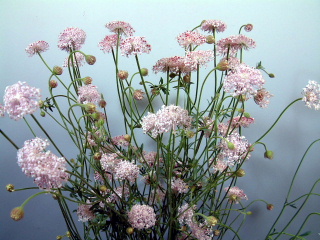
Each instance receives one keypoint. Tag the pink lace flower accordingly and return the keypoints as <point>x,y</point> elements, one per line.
<point>179,186</point>
<point>126,170</point>
<point>262,98</point>
<point>37,47</point>
<point>120,27</point>
<point>88,94</point>
<point>120,141</point>
<point>200,57</point>
<point>191,38</point>
<point>108,43</point>
<point>185,214</point>
<point>110,161</point>
<point>48,170</point>
<point>211,25</point>
<point>149,158</point>
<point>236,194</point>
<point>220,166</point>
<point>71,39</point>
<point>174,64</point>
<point>20,99</point>
<point>134,46</point>
<point>1,110</point>
<point>200,231</point>
<point>231,45</point>
<point>166,119</point>
<point>241,121</point>
<point>142,217</point>
<point>311,95</point>
<point>243,80</point>
<point>120,192</point>
<point>138,94</point>
<point>85,213</point>
<point>233,149</point>
<point>78,60</point>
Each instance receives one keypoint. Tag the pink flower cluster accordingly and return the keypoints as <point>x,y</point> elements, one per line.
<point>190,38</point>
<point>166,119</point>
<point>179,186</point>
<point>20,99</point>
<point>231,45</point>
<point>120,27</point>
<point>120,141</point>
<point>48,170</point>
<point>237,193</point>
<point>1,110</point>
<point>262,98</point>
<point>37,47</point>
<point>108,43</point>
<point>85,213</point>
<point>71,39</point>
<point>213,25</point>
<point>243,80</point>
<point>311,95</point>
<point>134,46</point>
<point>88,94</point>
<point>77,59</point>
<point>241,121</point>
<point>236,153</point>
<point>142,217</point>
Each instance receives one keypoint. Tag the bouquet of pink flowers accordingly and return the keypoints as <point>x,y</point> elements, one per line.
<point>175,171</point>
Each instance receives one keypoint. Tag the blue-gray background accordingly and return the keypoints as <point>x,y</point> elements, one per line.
<point>287,35</point>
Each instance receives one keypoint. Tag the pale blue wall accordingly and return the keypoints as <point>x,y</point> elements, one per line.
<point>287,35</point>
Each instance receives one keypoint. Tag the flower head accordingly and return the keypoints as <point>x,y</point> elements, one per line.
<point>134,46</point>
<point>174,64</point>
<point>243,80</point>
<point>85,213</point>
<point>190,38</point>
<point>142,217</point>
<point>71,39</point>
<point>178,185</point>
<point>211,25</point>
<point>88,94</point>
<point>126,170</point>
<point>120,27</point>
<point>235,194</point>
<point>78,60</point>
<point>138,94</point>
<point>20,99</point>
<point>48,170</point>
<point>311,95</point>
<point>37,47</point>
<point>108,43</point>
<point>109,161</point>
<point>231,45</point>
<point>262,98</point>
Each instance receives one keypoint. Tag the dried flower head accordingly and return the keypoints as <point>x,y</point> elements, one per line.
<point>235,194</point>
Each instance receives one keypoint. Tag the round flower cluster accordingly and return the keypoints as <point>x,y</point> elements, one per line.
<point>20,99</point>
<point>84,213</point>
<point>243,80</point>
<point>311,95</point>
<point>142,217</point>
<point>71,39</point>
<point>134,46</point>
<point>241,121</point>
<point>200,57</point>
<point>178,185</point>
<point>37,47</point>
<point>262,98</point>
<point>126,170</point>
<point>166,119</point>
<point>108,43</point>
<point>48,170</point>
<point>174,64</point>
<point>211,25</point>
<point>236,194</point>
<point>231,45</point>
<point>88,94</point>
<point>120,27</point>
<point>233,149</point>
<point>190,38</point>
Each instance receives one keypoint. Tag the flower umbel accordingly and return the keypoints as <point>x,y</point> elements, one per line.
<point>142,217</point>
<point>37,47</point>
<point>311,95</point>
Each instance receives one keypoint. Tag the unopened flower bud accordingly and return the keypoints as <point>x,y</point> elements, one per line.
<point>102,103</point>
<point>90,59</point>
<point>53,83</point>
<point>103,188</point>
<point>97,156</point>
<point>127,137</point>
<point>223,65</point>
<point>155,91</point>
<point>247,115</point>
<point>17,213</point>
<point>269,154</point>
<point>190,134</point>
<point>270,206</point>
<point>271,75</point>
<point>240,173</point>
<point>41,104</point>
<point>123,74</point>
<point>233,198</point>
<point>216,232</point>
<point>212,221</point>
<point>240,110</point>
<point>248,27</point>
<point>68,234</point>
<point>183,228</point>
<point>130,230</point>
<point>231,145</point>
<point>210,39</point>
<point>249,213</point>
<point>42,114</point>
<point>87,80</point>
<point>57,70</point>
<point>10,187</point>
<point>90,107</point>
<point>59,237</point>
<point>144,72</point>
<point>172,75</point>
<point>187,78</point>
